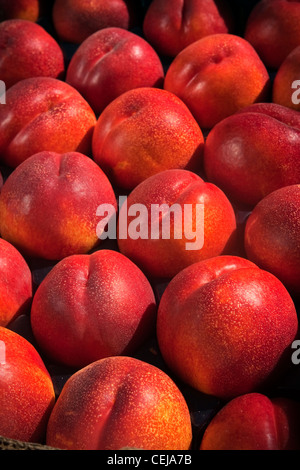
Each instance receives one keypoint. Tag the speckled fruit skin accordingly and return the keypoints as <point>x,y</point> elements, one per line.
<point>254,152</point>
<point>143,132</point>
<point>26,389</point>
<point>15,284</point>
<point>111,62</point>
<point>170,27</point>
<point>254,422</point>
<point>93,306</point>
<point>76,20</point>
<point>225,326</point>
<point>124,402</point>
<point>289,72</point>
<point>43,113</point>
<point>48,205</point>
<point>165,257</point>
<point>21,43</point>
<point>272,236</point>
<point>273,28</point>
<point>204,74</point>
<point>30,10</point>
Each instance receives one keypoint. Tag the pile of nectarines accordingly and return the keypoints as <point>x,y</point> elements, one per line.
<point>150,224</point>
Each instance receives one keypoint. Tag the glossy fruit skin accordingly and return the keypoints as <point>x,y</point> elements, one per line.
<point>26,389</point>
<point>273,30</point>
<point>43,114</point>
<point>225,327</point>
<point>205,72</point>
<point>16,289</point>
<point>21,42</point>
<point>76,20</point>
<point>41,229</point>
<point>111,62</point>
<point>124,403</point>
<point>143,132</point>
<point>272,236</point>
<point>93,306</point>
<point>254,422</point>
<point>254,152</point>
<point>172,27</point>
<point>285,89</point>
<point>166,255</point>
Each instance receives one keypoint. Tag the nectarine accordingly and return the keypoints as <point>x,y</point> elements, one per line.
<point>172,26</point>
<point>217,76</point>
<point>254,152</point>
<point>26,390</point>
<point>174,219</point>
<point>111,62</point>
<point>43,114</point>
<point>124,403</point>
<point>254,422</point>
<point>143,132</point>
<point>49,203</point>
<point>272,236</point>
<point>76,20</point>
<point>93,306</point>
<point>224,326</point>
<point>286,84</point>
<point>28,51</point>
<point>273,29</point>
<point>15,284</point>
<point>30,10</point>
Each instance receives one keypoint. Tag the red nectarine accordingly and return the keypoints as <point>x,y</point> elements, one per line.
<point>26,389</point>
<point>174,219</point>
<point>254,152</point>
<point>28,51</point>
<point>49,203</point>
<point>76,20</point>
<point>286,84</point>
<point>143,132</point>
<point>273,29</point>
<point>111,62</point>
<point>254,422</point>
<point>15,284</point>
<point>124,403</point>
<point>30,10</point>
<point>44,113</point>
<point>217,76</point>
<point>225,326</point>
<point>272,236</point>
<point>172,26</point>
<point>93,306</point>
